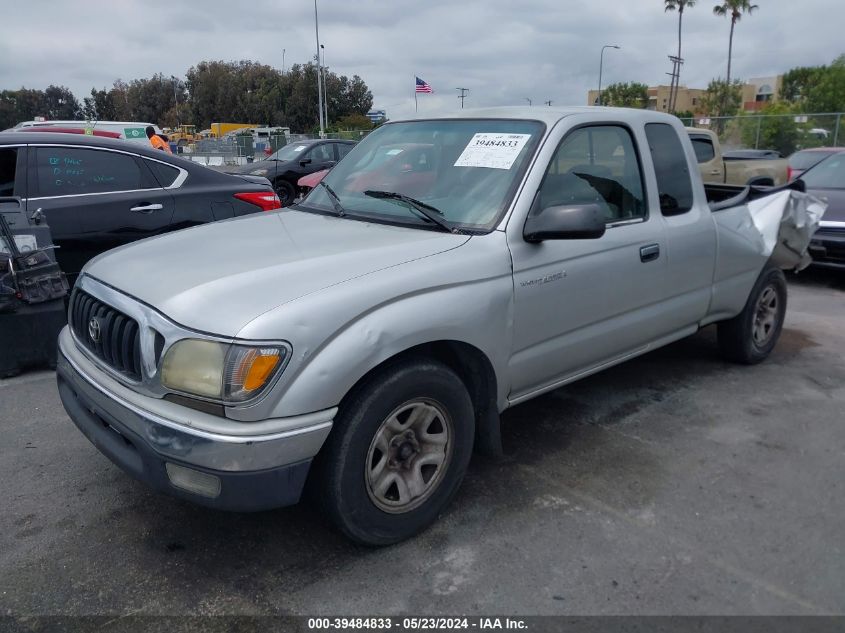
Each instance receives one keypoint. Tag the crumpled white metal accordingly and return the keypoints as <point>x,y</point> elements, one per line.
<point>787,221</point>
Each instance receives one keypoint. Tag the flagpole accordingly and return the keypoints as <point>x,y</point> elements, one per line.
<point>416,106</point>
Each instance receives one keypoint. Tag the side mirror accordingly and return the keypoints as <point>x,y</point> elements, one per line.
<point>305,161</point>
<point>565,222</point>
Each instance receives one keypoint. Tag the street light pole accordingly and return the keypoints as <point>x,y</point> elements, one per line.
<point>325,88</point>
<point>601,63</point>
<point>319,72</point>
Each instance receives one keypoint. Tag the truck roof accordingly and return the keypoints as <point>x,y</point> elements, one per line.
<point>548,115</point>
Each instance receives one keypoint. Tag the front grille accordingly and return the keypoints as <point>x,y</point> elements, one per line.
<point>116,337</point>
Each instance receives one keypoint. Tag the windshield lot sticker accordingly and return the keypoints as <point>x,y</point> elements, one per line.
<point>492,149</point>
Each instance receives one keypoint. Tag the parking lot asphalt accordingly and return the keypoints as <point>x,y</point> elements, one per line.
<point>673,484</point>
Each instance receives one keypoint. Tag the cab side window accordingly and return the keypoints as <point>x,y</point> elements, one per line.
<point>8,164</point>
<point>63,171</point>
<point>596,165</point>
<point>670,166</point>
<point>343,149</point>
<point>322,153</point>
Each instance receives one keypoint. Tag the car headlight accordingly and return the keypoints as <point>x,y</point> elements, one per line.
<point>258,172</point>
<point>221,371</point>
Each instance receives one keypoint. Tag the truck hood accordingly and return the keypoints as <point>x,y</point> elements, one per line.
<point>219,276</point>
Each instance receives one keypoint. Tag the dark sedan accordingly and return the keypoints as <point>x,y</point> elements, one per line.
<point>99,193</point>
<point>295,160</point>
<point>826,180</point>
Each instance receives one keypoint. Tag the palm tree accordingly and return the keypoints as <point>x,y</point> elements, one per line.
<point>679,6</point>
<point>734,8</point>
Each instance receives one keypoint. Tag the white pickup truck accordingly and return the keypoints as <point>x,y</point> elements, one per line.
<point>716,167</point>
<point>364,341</point>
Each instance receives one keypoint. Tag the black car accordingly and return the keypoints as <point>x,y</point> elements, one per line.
<point>826,180</point>
<point>294,161</point>
<point>99,193</point>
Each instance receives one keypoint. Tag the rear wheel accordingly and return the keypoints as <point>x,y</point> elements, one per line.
<point>397,453</point>
<point>285,192</point>
<point>750,336</point>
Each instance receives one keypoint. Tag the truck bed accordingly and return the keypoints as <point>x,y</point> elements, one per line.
<point>721,197</point>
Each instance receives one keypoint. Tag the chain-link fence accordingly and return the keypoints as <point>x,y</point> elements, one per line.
<point>241,149</point>
<point>785,133</point>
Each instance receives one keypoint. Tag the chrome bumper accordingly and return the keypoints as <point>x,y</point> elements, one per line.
<point>258,470</point>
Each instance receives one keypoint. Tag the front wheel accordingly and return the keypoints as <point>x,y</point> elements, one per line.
<point>749,337</point>
<point>397,453</point>
<point>285,192</point>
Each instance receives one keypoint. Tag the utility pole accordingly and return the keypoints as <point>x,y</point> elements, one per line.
<point>463,95</point>
<point>325,88</point>
<point>548,103</point>
<point>319,72</point>
<point>528,99</point>
<point>283,60</point>
<point>675,84</point>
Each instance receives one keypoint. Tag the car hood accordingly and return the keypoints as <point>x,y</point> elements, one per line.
<point>218,277</point>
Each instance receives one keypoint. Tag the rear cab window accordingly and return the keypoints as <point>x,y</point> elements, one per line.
<point>704,150</point>
<point>671,169</point>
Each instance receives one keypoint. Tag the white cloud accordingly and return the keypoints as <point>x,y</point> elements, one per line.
<point>503,51</point>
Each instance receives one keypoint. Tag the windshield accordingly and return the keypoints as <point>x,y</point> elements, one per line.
<point>828,174</point>
<point>467,169</point>
<point>288,152</point>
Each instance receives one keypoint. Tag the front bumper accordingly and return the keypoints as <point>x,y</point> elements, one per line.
<point>238,472</point>
<point>827,248</point>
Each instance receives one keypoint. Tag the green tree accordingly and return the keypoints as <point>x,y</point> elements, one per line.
<point>626,95</point>
<point>775,129</point>
<point>735,9</point>
<point>354,122</point>
<point>679,6</point>
<point>816,88</point>
<point>722,99</point>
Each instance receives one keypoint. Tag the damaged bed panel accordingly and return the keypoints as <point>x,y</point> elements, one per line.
<point>756,226</point>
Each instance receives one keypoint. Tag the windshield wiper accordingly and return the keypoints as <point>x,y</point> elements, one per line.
<point>334,198</point>
<point>429,212</point>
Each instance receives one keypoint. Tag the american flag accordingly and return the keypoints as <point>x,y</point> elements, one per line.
<point>423,87</point>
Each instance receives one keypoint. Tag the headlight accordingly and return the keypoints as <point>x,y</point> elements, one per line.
<point>232,373</point>
<point>258,172</point>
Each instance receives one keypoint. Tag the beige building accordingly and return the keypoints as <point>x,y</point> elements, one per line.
<point>756,93</point>
<point>689,99</point>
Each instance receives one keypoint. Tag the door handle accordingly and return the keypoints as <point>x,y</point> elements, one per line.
<point>147,208</point>
<point>649,253</point>
<point>716,172</point>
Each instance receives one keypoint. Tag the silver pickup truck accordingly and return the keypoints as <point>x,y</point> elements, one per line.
<point>361,343</point>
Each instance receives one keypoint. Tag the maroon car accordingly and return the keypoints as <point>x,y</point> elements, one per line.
<point>802,160</point>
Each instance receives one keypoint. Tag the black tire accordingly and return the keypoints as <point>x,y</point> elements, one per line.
<point>745,338</point>
<point>340,478</point>
<point>285,191</point>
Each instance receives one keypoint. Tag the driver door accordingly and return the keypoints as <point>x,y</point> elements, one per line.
<point>584,303</point>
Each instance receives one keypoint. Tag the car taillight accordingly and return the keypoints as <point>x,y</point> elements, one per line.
<point>788,174</point>
<point>267,200</point>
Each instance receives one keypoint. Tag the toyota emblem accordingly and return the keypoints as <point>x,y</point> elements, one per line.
<point>94,329</point>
